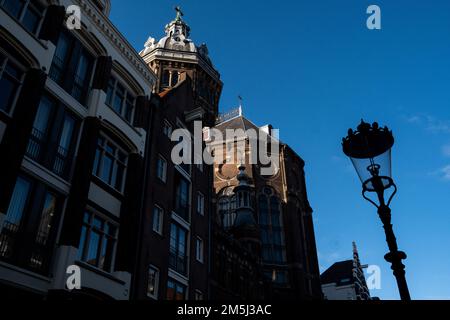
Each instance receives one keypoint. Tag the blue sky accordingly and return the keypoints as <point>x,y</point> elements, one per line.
<point>313,70</point>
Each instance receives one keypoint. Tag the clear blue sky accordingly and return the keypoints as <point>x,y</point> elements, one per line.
<point>312,69</point>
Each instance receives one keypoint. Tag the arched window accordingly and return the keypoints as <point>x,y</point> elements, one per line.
<point>271,226</point>
<point>175,78</point>
<point>165,78</point>
<point>227,209</point>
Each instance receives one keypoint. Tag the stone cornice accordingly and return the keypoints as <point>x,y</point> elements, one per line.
<point>182,56</point>
<point>117,39</point>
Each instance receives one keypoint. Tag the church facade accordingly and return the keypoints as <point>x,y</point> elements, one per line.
<point>281,221</point>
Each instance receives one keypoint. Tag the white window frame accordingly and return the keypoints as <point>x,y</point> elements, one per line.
<point>200,204</point>
<point>164,173</point>
<point>199,249</point>
<point>155,295</point>
<point>161,219</point>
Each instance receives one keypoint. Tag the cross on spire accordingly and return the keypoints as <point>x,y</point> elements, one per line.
<point>179,13</point>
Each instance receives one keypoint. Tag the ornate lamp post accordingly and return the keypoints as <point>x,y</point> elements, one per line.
<point>369,149</point>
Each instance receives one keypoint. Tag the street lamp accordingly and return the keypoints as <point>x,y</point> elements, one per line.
<point>369,149</point>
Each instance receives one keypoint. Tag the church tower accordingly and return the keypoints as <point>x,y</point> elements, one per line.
<point>174,56</point>
<point>245,228</point>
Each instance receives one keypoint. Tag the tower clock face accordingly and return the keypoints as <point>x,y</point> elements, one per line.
<point>227,171</point>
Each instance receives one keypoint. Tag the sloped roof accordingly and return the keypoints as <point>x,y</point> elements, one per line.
<point>340,273</point>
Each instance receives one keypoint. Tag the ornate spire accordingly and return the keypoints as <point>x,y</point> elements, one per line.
<point>179,14</point>
<point>178,28</point>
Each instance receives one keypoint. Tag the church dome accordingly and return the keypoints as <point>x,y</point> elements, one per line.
<point>177,39</point>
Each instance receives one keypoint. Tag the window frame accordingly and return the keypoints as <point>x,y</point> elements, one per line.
<point>26,7</point>
<point>200,204</point>
<point>7,59</point>
<point>45,147</point>
<point>36,253</point>
<point>63,70</point>
<point>109,100</point>
<point>98,162</point>
<point>199,249</point>
<point>269,229</point>
<point>156,280</point>
<point>175,252</point>
<point>160,210</point>
<point>84,244</point>
<point>163,161</point>
<point>186,213</point>
<point>177,285</point>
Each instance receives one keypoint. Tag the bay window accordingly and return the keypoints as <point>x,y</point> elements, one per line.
<point>98,241</point>
<point>120,99</point>
<point>29,228</point>
<point>72,67</point>
<point>110,163</point>
<point>53,137</point>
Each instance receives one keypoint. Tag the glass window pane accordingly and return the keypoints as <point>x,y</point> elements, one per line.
<point>119,98</point>
<point>93,248</point>
<point>106,254</point>
<point>47,216</point>
<point>170,290</point>
<point>180,293</point>
<point>8,92</point>
<point>31,18</point>
<point>18,202</point>
<point>13,71</point>
<point>95,169</point>
<point>87,217</point>
<point>119,177</point>
<point>152,282</point>
<point>98,223</point>
<point>13,7</point>
<point>173,236</point>
<point>82,243</point>
<point>106,169</point>
<point>110,91</point>
<point>43,114</point>
<point>62,50</point>
<point>67,132</point>
<point>82,69</point>
<point>157,216</point>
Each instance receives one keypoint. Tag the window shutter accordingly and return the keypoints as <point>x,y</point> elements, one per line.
<point>102,73</point>
<point>52,24</point>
